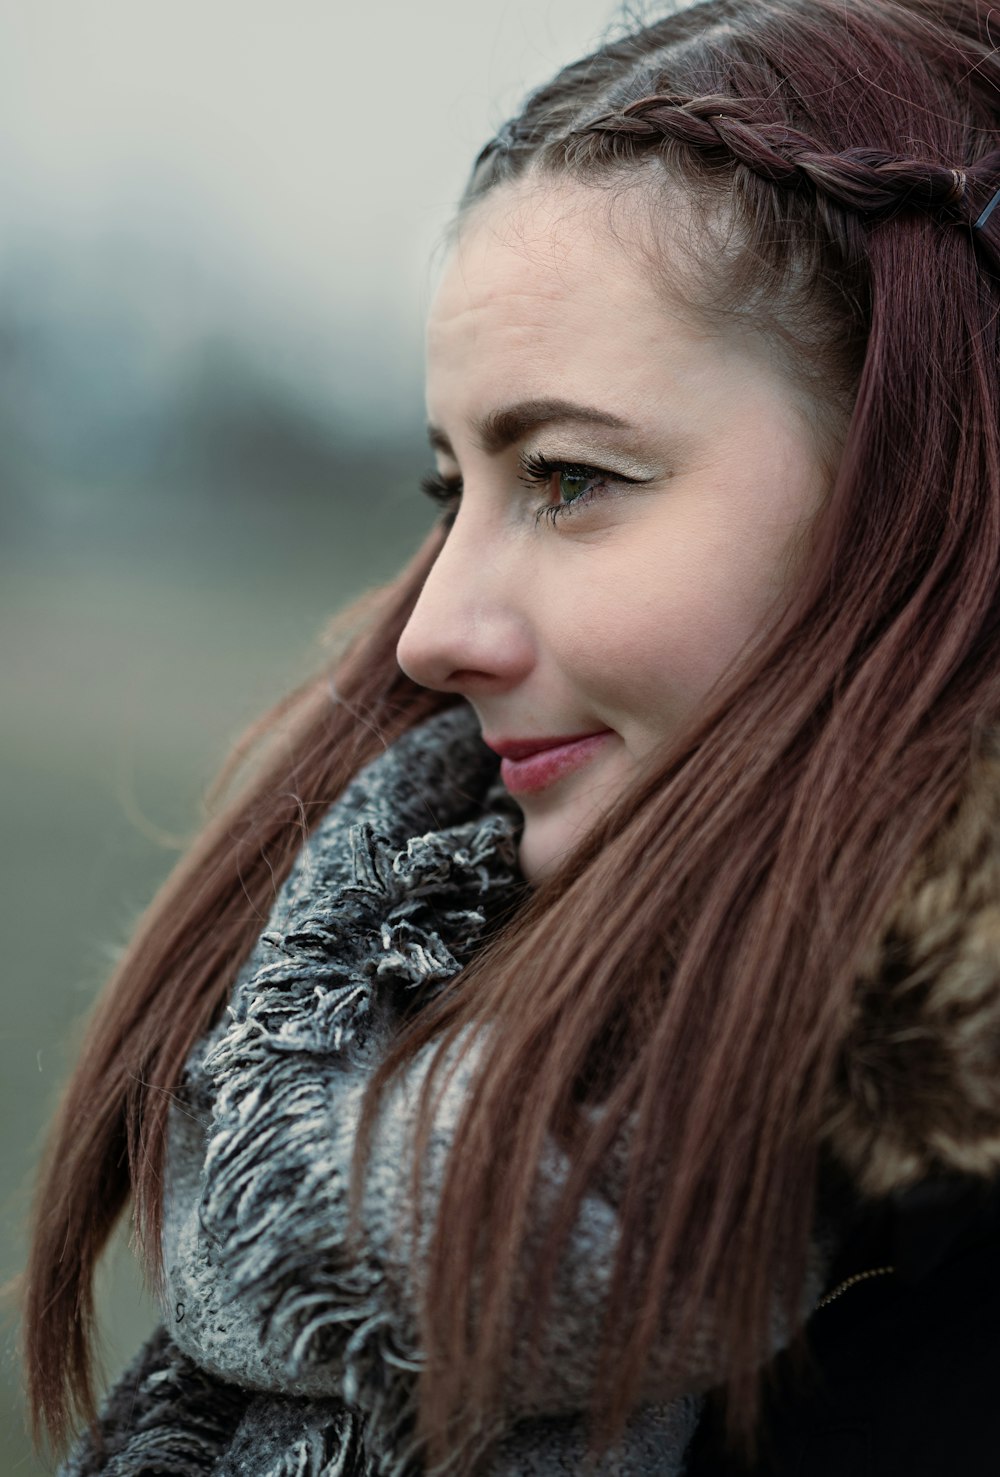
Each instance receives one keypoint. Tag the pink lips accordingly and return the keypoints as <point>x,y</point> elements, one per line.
<point>529,765</point>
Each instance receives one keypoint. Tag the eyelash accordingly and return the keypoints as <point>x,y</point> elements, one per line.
<point>535,469</point>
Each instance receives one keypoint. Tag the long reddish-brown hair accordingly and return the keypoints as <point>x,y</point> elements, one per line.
<point>835,157</point>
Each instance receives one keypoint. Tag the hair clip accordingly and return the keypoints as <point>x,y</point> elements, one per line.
<point>980,223</point>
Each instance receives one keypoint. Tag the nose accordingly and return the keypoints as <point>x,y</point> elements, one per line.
<point>469,631</point>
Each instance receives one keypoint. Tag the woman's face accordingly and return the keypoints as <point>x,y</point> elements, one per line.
<point>607,596</point>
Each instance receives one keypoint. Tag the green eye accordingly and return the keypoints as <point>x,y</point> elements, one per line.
<point>577,483</point>
<point>571,477</point>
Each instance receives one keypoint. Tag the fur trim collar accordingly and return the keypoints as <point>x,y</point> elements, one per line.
<point>917,1094</point>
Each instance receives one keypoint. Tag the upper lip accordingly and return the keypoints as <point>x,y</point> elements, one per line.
<point>521,748</point>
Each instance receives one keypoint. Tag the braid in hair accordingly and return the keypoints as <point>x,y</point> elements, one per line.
<point>866,181</point>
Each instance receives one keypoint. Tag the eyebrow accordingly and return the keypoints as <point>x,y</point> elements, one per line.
<point>503,428</point>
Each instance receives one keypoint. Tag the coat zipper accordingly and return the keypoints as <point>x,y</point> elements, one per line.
<point>849,1282</point>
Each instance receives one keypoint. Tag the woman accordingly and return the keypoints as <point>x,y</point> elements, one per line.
<point>636,1101</point>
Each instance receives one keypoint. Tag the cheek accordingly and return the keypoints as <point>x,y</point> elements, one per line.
<point>656,627</point>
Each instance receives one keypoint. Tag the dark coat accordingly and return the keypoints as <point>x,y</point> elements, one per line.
<point>904,1367</point>
<point>905,1371</point>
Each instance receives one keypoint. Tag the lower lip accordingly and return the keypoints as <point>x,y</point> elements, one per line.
<point>522,776</point>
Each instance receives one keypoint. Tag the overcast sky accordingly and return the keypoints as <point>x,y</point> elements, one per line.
<point>287,163</point>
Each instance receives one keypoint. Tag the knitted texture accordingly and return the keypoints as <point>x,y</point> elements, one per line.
<point>284,1351</point>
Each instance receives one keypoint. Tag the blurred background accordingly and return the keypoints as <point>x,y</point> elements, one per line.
<point>220,229</point>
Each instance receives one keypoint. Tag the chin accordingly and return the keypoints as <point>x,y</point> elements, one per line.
<point>549,836</point>
<point>542,851</point>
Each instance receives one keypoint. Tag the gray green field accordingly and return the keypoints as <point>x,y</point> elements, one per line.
<point>126,675</point>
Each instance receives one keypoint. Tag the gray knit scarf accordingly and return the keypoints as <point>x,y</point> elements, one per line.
<point>282,1352</point>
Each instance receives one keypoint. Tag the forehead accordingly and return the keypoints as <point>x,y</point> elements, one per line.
<point>537,242</point>
<point>551,288</point>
